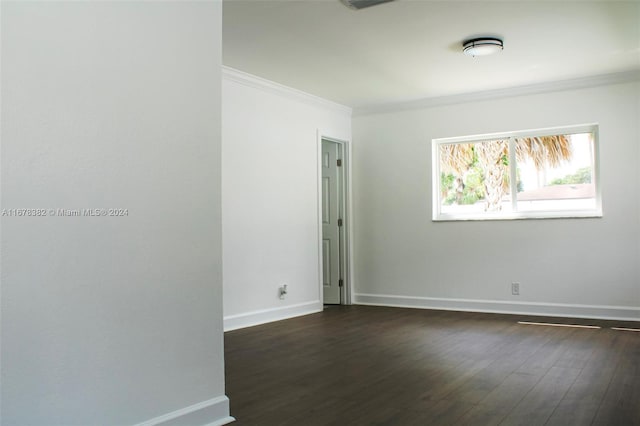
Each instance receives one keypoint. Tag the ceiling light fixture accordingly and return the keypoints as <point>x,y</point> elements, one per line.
<point>361,4</point>
<point>482,46</point>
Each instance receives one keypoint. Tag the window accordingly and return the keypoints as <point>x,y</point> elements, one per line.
<point>547,173</point>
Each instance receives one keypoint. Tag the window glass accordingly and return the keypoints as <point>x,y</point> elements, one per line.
<point>562,180</point>
<point>474,177</point>
<point>531,174</point>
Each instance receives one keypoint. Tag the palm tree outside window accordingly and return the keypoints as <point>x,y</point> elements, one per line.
<point>517,175</point>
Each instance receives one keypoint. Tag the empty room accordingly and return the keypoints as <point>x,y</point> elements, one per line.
<point>320,212</point>
<point>440,304</point>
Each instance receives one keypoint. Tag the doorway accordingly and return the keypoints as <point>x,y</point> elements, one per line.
<point>333,222</point>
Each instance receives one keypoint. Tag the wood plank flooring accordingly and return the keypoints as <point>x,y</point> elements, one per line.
<point>362,365</point>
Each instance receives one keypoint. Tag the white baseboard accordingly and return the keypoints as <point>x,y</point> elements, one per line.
<point>213,412</point>
<point>233,322</point>
<point>620,313</point>
<point>223,421</point>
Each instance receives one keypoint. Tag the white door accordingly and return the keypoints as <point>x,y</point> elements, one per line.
<point>332,207</point>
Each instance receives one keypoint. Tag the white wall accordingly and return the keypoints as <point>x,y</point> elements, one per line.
<point>403,258</point>
<point>112,320</point>
<point>270,196</point>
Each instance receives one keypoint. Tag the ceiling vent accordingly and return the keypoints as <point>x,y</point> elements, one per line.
<point>361,4</point>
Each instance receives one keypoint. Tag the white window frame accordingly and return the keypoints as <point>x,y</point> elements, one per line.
<point>582,213</point>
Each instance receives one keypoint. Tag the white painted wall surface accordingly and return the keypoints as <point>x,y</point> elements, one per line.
<point>270,197</point>
<point>581,267</point>
<point>111,320</point>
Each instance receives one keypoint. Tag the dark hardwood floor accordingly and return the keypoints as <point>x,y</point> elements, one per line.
<point>360,365</point>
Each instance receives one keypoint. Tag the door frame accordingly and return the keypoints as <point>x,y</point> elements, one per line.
<point>346,247</point>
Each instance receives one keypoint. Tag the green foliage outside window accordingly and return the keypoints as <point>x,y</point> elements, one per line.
<point>466,189</point>
<point>582,175</point>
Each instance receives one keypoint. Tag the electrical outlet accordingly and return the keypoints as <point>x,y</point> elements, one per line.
<point>515,289</point>
<point>283,291</point>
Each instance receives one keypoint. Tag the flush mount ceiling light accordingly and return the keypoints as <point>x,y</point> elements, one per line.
<point>361,4</point>
<point>482,46</point>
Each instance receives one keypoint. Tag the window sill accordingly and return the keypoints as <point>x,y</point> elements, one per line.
<point>519,215</point>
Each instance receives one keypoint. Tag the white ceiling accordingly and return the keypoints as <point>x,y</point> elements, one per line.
<point>408,50</point>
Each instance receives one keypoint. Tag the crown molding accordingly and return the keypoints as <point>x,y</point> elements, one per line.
<point>533,89</point>
<point>249,80</point>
